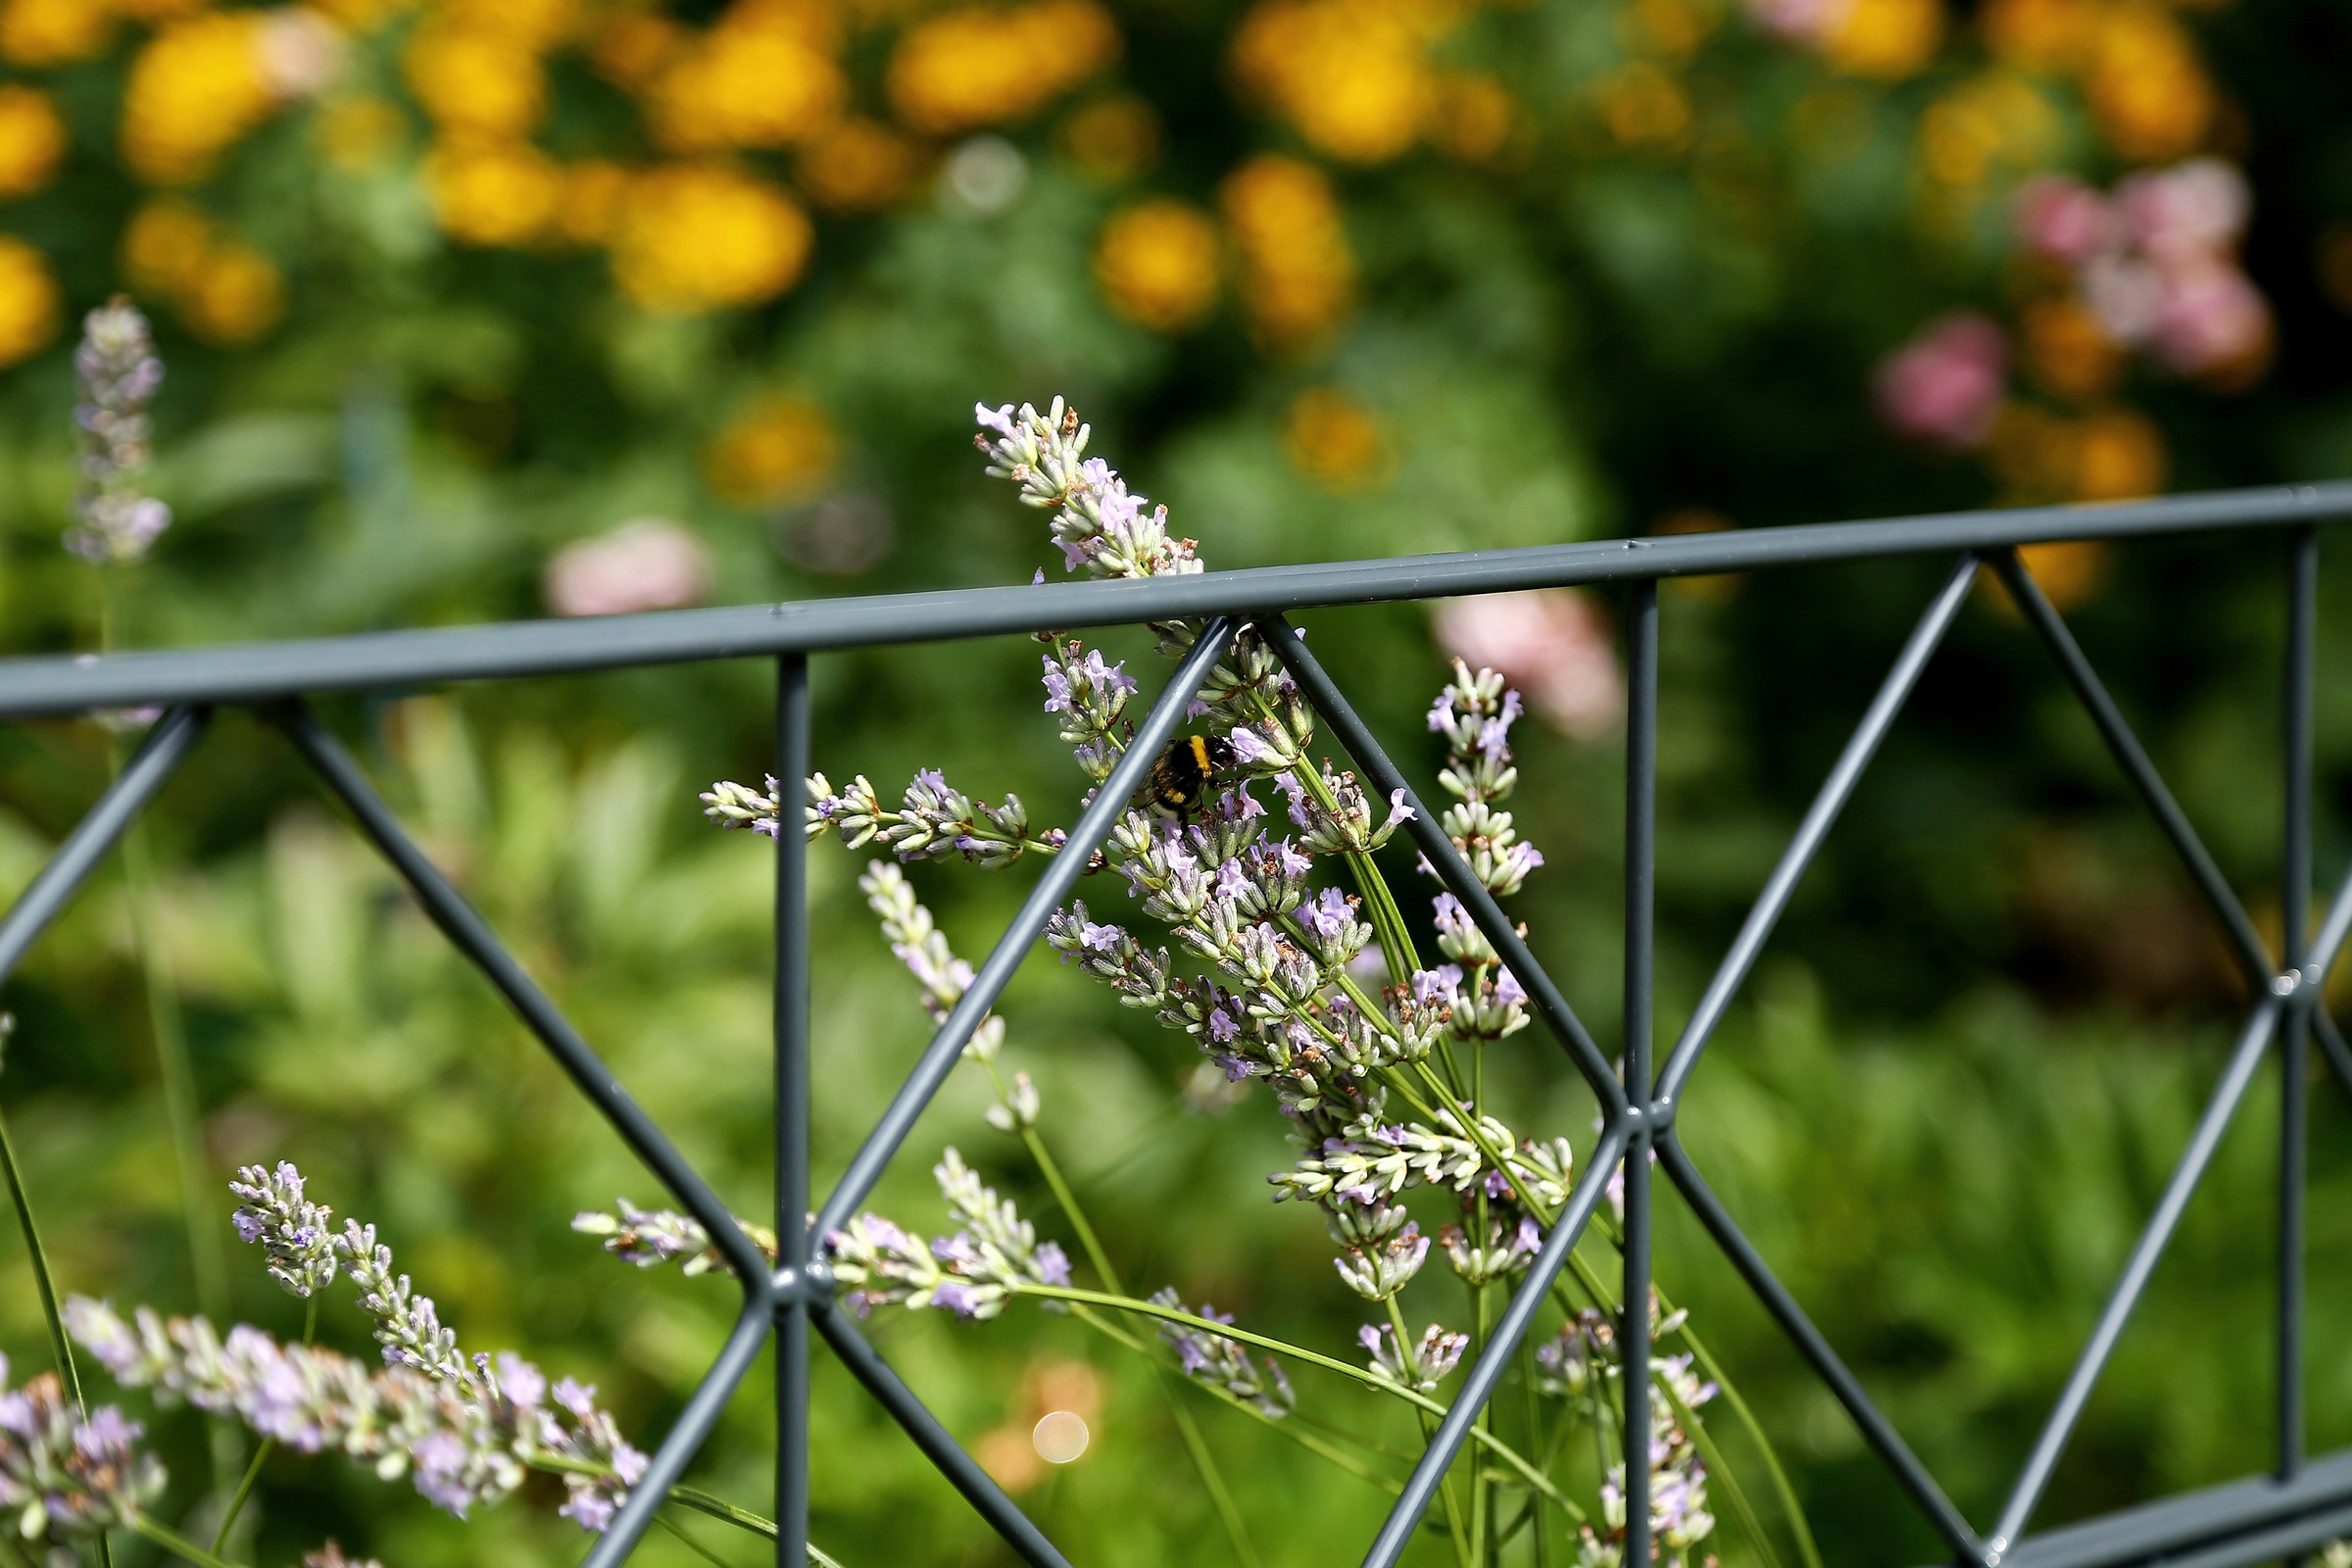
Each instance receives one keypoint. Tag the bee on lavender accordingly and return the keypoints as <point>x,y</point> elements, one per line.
<point>1181,775</point>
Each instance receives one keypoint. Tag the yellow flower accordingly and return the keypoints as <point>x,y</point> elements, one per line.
<point>857,166</point>
<point>360,15</point>
<point>631,46</point>
<point>1298,275</point>
<point>748,83</point>
<point>360,133</point>
<point>32,141</point>
<point>2147,89</point>
<point>1989,124</point>
<point>1353,76</point>
<point>1643,107</point>
<point>492,193</point>
<point>53,33</point>
<point>233,295</point>
<point>1674,28</point>
<point>533,25</point>
<point>1113,139</point>
<point>193,90</point>
<point>2069,571</point>
<point>983,66</point>
<point>781,447</point>
<point>27,300</point>
<point>595,194</point>
<point>696,236</point>
<point>1473,118</point>
<point>2061,346</point>
<point>2118,457</point>
<point>162,244</point>
<point>2048,35</point>
<point>148,13</point>
<point>477,80</point>
<point>1332,439</point>
<point>1157,264</point>
<point>1886,39</point>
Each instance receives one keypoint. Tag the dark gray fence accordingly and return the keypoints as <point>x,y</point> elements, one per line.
<point>2301,1504</point>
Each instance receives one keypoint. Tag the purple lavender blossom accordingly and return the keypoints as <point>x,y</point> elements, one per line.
<point>294,1234</point>
<point>113,523</point>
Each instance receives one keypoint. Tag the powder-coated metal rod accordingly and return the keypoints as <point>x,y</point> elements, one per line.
<point>1447,859</point>
<point>987,1498</point>
<point>1835,791</point>
<point>253,673</point>
<point>792,1117</point>
<point>1061,874</point>
<point>472,936</point>
<point>2294,1040</point>
<point>1640,918</point>
<point>45,898</point>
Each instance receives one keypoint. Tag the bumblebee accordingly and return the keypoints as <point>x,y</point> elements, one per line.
<point>1181,775</point>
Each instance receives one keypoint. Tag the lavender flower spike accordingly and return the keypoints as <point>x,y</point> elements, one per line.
<point>115,524</point>
<point>59,1473</point>
<point>651,1237</point>
<point>293,1232</point>
<point>407,1325</point>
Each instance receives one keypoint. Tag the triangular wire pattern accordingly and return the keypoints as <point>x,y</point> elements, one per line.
<point>2222,1525</point>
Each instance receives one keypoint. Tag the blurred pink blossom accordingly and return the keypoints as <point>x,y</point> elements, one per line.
<point>2060,216</point>
<point>1799,20</point>
<point>2186,212</point>
<point>644,563</point>
<point>1552,644</point>
<point>2210,316</point>
<point>1945,384</point>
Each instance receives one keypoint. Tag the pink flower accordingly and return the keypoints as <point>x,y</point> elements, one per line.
<point>2187,211</point>
<point>2210,315</point>
<point>1551,643</point>
<point>2059,217</point>
<point>645,564</point>
<point>1799,20</point>
<point>1945,384</point>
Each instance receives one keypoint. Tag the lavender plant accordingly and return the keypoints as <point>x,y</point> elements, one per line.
<point>1264,930</point>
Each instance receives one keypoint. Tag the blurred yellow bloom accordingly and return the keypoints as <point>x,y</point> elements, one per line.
<point>1353,76</point>
<point>32,141</point>
<point>1989,124</point>
<point>162,244</point>
<point>981,67</point>
<point>2048,35</point>
<point>1473,118</point>
<point>151,11</point>
<point>360,15</point>
<point>473,79</point>
<point>2120,458</point>
<point>193,90</point>
<point>2147,89</point>
<point>2111,454</point>
<point>2069,571</point>
<point>232,295</point>
<point>595,194</point>
<point>359,134</point>
<point>1886,39</point>
<point>28,300</point>
<point>781,447</point>
<point>1674,28</point>
<point>534,24</point>
<point>2061,348</point>
<point>631,46</point>
<point>1113,138</point>
<point>746,83</point>
<point>53,33</point>
<point>492,193</point>
<point>857,166</point>
<point>1157,264</point>
<point>1643,107</point>
<point>1298,275</point>
<point>1333,440</point>
<point>696,236</point>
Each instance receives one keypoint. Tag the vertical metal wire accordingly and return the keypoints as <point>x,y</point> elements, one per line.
<point>1641,890</point>
<point>2294,1038</point>
<point>792,1115</point>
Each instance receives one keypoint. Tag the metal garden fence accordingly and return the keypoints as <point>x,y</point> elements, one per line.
<point>2302,1503</point>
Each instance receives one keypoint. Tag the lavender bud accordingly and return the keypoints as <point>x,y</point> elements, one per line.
<point>294,1234</point>
<point>113,523</point>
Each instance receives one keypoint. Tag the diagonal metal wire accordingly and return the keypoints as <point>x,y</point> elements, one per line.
<point>937,1446</point>
<point>1445,859</point>
<point>1110,804</point>
<point>1835,791</point>
<point>1879,1432</point>
<point>45,898</point>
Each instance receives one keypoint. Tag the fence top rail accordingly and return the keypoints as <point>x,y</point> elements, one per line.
<point>260,672</point>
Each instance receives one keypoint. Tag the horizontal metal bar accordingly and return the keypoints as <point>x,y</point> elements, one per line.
<point>1835,791</point>
<point>45,898</point>
<point>1875,1429</point>
<point>472,936</point>
<point>1478,1385</point>
<point>2253,958</point>
<point>685,1440</point>
<point>2253,1043</point>
<point>1094,826</point>
<point>945,1455</point>
<point>1445,859</point>
<point>252,673</point>
<point>2255,1520</point>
